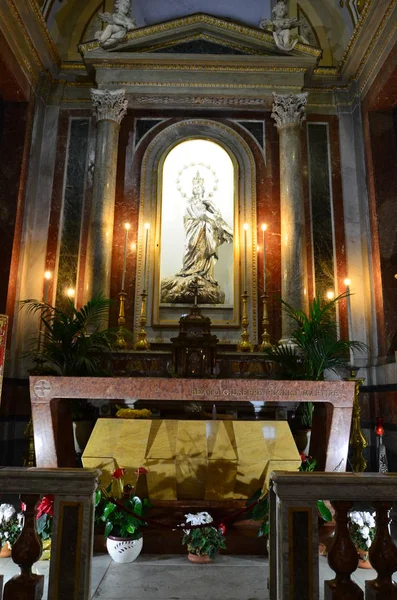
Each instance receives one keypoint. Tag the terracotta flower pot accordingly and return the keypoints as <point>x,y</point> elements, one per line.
<point>5,551</point>
<point>199,559</point>
<point>363,561</point>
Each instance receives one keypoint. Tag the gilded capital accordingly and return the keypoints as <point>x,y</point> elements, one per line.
<point>109,105</point>
<point>289,109</point>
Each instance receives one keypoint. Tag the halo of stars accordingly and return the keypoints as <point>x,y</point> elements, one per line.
<point>194,165</point>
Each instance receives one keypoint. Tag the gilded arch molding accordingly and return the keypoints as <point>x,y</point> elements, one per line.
<point>161,328</point>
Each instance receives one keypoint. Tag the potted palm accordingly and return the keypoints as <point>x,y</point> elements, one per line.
<point>315,349</point>
<point>69,343</point>
<point>69,340</point>
<point>203,543</point>
<point>122,527</point>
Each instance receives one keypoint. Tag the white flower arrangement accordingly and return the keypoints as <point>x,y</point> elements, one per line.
<point>362,529</point>
<point>11,524</point>
<point>201,518</point>
<point>203,541</point>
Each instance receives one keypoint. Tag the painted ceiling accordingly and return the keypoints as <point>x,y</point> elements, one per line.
<point>328,23</point>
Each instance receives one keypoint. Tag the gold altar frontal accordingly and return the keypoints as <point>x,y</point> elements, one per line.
<point>209,460</point>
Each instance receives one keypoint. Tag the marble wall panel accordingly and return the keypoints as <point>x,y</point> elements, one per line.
<point>356,227</point>
<point>31,267</point>
<point>383,140</point>
<point>72,209</point>
<point>72,180</point>
<point>13,118</point>
<point>336,198</point>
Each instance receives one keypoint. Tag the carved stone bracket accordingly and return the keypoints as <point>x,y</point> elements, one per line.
<point>109,105</point>
<point>289,109</point>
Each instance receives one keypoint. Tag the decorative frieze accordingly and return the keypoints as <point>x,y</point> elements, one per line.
<point>109,105</point>
<point>289,109</point>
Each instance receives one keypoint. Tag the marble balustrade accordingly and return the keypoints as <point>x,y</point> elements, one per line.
<point>72,533</point>
<point>293,558</point>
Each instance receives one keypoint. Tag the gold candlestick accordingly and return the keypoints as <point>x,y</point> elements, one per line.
<point>245,345</point>
<point>120,343</point>
<point>142,343</point>
<point>357,439</point>
<point>265,322</point>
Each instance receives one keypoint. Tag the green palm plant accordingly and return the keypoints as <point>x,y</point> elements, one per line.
<point>315,346</point>
<point>69,340</point>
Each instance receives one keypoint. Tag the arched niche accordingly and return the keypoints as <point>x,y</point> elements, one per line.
<point>162,321</point>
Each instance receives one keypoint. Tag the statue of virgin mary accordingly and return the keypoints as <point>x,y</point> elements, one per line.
<point>205,231</point>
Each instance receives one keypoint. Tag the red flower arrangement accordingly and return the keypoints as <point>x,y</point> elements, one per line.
<point>119,473</point>
<point>44,516</point>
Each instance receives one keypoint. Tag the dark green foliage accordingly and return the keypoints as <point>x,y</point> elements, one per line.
<point>315,347</point>
<point>71,339</point>
<point>44,527</point>
<point>204,540</point>
<point>324,511</point>
<point>119,523</point>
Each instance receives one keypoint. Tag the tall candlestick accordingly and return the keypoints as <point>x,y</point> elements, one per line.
<point>264,227</point>
<point>147,227</point>
<point>127,228</point>
<point>47,277</point>
<point>245,257</point>
<point>349,318</point>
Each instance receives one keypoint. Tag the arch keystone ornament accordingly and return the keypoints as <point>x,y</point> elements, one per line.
<point>289,114</point>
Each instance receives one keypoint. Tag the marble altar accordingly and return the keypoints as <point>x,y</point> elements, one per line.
<point>52,422</point>
<point>208,460</point>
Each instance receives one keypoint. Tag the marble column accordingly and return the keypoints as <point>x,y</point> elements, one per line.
<point>289,113</point>
<point>110,107</point>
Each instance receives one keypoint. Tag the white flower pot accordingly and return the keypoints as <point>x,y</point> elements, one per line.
<point>124,550</point>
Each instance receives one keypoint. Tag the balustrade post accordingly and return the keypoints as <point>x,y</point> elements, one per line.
<point>383,557</point>
<point>25,552</point>
<point>342,558</point>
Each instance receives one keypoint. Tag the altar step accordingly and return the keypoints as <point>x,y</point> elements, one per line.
<point>241,534</point>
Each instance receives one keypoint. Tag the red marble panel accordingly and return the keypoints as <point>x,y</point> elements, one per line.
<point>19,217</point>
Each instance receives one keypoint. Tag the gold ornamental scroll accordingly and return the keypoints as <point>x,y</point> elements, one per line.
<point>208,460</point>
<point>3,342</point>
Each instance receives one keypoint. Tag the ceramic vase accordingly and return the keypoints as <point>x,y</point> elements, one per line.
<point>199,559</point>
<point>124,550</point>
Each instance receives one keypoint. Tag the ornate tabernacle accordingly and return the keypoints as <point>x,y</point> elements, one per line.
<point>194,350</point>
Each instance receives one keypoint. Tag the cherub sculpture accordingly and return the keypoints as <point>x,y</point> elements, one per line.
<point>281,25</point>
<point>118,24</point>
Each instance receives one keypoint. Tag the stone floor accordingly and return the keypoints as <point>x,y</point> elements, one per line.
<point>172,577</point>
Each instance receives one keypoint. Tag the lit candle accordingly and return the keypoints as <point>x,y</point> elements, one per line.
<point>245,257</point>
<point>47,277</point>
<point>264,227</point>
<point>147,227</point>
<point>127,228</point>
<point>349,317</point>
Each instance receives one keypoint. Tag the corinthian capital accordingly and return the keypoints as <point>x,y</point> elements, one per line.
<point>289,109</point>
<point>109,105</point>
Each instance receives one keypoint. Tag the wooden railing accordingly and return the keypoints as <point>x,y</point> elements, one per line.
<point>293,560</point>
<point>72,532</point>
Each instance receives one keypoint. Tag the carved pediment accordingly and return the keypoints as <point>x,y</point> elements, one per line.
<point>200,34</point>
